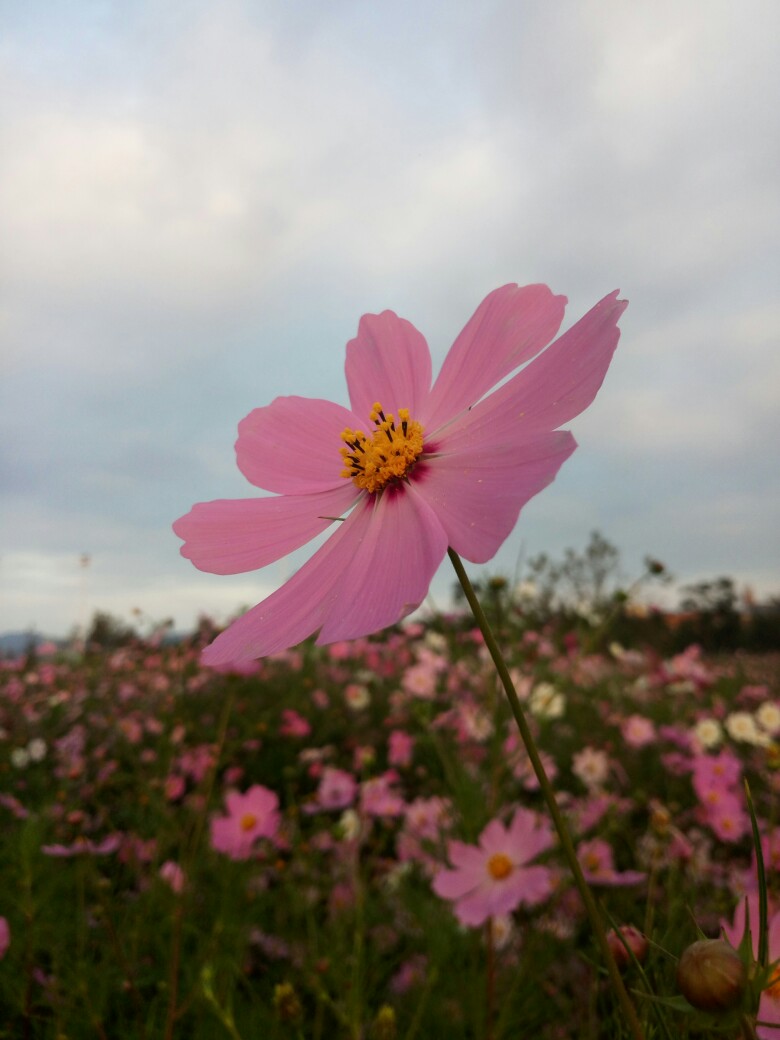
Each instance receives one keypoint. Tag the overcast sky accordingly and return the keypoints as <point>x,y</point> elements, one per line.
<point>199,199</point>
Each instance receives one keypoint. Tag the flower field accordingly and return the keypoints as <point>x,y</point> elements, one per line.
<point>349,842</point>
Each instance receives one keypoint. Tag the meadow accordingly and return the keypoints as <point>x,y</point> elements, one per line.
<point>272,852</point>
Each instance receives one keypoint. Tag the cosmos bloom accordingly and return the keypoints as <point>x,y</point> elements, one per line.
<point>441,465</point>
<point>492,877</point>
<point>769,1005</point>
<point>251,816</point>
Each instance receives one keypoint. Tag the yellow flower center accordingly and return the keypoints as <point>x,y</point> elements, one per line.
<point>387,455</point>
<point>773,989</point>
<point>499,866</point>
<point>248,820</point>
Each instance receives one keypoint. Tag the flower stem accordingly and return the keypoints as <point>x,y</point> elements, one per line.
<point>549,796</point>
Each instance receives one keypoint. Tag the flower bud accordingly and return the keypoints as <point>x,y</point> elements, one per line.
<point>384,1024</point>
<point>627,936</point>
<point>711,975</point>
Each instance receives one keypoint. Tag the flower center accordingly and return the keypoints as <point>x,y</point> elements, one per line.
<point>387,455</point>
<point>773,989</point>
<point>248,820</point>
<point>499,866</point>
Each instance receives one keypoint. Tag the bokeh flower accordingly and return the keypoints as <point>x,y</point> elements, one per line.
<point>251,816</point>
<point>492,878</point>
<point>442,465</point>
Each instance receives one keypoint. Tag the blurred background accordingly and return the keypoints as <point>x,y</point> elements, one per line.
<point>198,201</point>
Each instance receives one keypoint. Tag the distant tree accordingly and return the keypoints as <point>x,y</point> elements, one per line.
<point>715,620</point>
<point>109,632</point>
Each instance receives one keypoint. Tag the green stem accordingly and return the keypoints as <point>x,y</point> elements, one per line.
<point>549,796</point>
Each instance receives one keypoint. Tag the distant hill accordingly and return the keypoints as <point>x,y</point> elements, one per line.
<point>14,643</point>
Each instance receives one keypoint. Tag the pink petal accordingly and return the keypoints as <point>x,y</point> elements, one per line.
<point>466,857</point>
<point>291,446</point>
<point>477,495</point>
<point>230,536</point>
<point>454,884</point>
<point>529,885</point>
<point>374,569</point>
<point>553,388</point>
<point>298,608</point>
<point>393,561</point>
<point>529,835</point>
<point>509,327</point>
<point>388,361</point>
<point>493,838</point>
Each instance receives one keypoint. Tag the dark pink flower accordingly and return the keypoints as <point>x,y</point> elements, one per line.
<point>251,816</point>
<point>442,465</point>
<point>492,878</point>
<point>5,937</point>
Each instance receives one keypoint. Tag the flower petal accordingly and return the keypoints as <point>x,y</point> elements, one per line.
<point>230,536</point>
<point>477,495</point>
<point>393,561</point>
<point>373,570</point>
<point>553,388</point>
<point>454,884</point>
<point>509,327</point>
<point>298,608</point>
<point>388,361</point>
<point>292,445</point>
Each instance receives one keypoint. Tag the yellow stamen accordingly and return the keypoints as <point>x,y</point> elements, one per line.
<point>773,989</point>
<point>499,866</point>
<point>248,820</point>
<point>387,455</point>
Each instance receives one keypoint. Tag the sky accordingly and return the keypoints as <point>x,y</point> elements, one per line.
<point>198,201</point>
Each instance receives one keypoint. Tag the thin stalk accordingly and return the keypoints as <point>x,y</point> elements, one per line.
<point>549,796</point>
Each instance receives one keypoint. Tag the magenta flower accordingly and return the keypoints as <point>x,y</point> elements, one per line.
<point>492,878</point>
<point>442,465</point>
<point>769,1005</point>
<point>5,937</point>
<point>251,816</point>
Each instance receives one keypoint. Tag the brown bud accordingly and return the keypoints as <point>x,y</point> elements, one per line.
<point>711,975</point>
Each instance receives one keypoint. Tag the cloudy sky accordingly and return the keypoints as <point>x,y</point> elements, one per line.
<point>199,199</point>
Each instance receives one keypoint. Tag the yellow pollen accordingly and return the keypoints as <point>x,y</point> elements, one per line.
<point>773,989</point>
<point>248,820</point>
<point>499,866</point>
<point>387,455</point>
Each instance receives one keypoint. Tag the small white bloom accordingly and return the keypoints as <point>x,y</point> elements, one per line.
<point>20,759</point>
<point>546,702</point>
<point>768,717</point>
<point>591,766</point>
<point>349,825</point>
<point>741,726</point>
<point>357,696</point>
<point>36,749</point>
<point>708,732</point>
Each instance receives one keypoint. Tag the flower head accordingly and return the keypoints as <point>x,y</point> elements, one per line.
<point>251,816</point>
<point>492,877</point>
<point>410,468</point>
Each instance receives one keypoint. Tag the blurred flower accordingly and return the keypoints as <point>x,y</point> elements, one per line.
<point>768,717</point>
<point>20,758</point>
<point>36,749</point>
<point>591,766</point>
<point>251,816</point>
<point>708,733</point>
<point>492,878</point>
<point>337,789</point>
<point>546,702</point>
<point>742,727</point>
<point>441,466</point>
<point>637,731</point>
<point>627,936</point>
<point>173,874</point>
<point>84,847</point>
<point>357,696</point>
<point>5,937</point>
<point>400,746</point>
<point>598,865</point>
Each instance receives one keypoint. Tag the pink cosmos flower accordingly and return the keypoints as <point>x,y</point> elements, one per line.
<point>84,847</point>
<point>5,937</point>
<point>442,465</point>
<point>337,789</point>
<point>769,1004</point>
<point>598,865</point>
<point>251,816</point>
<point>492,877</point>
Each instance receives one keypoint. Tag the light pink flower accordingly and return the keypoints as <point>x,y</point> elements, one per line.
<point>337,789</point>
<point>84,847</point>
<point>492,878</point>
<point>251,816</point>
<point>442,465</point>
<point>598,865</point>
<point>173,874</point>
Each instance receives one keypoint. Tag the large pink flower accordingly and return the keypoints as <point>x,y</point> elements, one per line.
<point>442,465</point>
<point>492,878</point>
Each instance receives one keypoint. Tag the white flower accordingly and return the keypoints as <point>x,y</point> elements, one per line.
<point>357,696</point>
<point>546,702</point>
<point>20,759</point>
<point>36,749</point>
<point>708,732</point>
<point>741,726</point>
<point>768,717</point>
<point>591,766</point>
<point>349,825</point>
